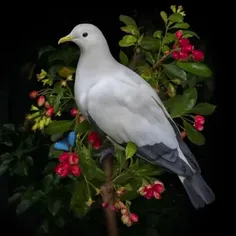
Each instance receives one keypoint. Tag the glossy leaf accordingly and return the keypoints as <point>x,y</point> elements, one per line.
<point>14,198</point>
<point>181,26</point>
<point>183,103</point>
<point>164,16</point>
<point>47,182</point>
<point>79,199</point>
<point>149,170</point>
<point>203,109</point>
<point>157,34</point>
<point>127,41</point>
<point>150,43</point>
<point>169,38</point>
<point>131,149</point>
<point>196,68</point>
<point>176,17</point>
<point>193,135</point>
<point>59,126</point>
<point>127,20</point>
<point>54,207</point>
<point>173,72</point>
<point>3,168</point>
<point>130,29</point>
<point>123,58</point>
<point>189,33</point>
<point>131,189</point>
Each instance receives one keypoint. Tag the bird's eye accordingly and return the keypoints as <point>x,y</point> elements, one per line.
<point>85,34</point>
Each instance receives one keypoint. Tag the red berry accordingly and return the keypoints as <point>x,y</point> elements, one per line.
<point>47,105</point>
<point>64,157</point>
<point>74,111</point>
<point>179,34</point>
<point>92,137</point>
<point>198,126</point>
<point>75,170</point>
<point>41,101</point>
<point>105,204</point>
<point>97,144</point>
<point>62,169</point>
<point>183,55</point>
<point>33,94</point>
<point>183,42</point>
<point>198,55</point>
<point>199,119</point>
<point>157,195</point>
<point>50,111</point>
<point>187,48</point>
<point>133,217</point>
<point>149,193</point>
<point>158,187</point>
<point>73,158</point>
<point>175,55</point>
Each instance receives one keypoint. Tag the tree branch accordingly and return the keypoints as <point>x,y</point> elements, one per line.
<point>107,191</point>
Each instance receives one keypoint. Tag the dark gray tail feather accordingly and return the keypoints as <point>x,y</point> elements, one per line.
<point>198,191</point>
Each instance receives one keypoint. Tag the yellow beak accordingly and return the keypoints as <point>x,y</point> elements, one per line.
<point>65,39</point>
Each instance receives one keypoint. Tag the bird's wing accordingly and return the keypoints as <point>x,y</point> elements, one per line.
<point>126,111</point>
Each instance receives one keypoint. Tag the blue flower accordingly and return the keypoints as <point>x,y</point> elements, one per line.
<point>64,145</point>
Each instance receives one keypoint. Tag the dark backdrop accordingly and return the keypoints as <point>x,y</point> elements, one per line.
<point>41,26</point>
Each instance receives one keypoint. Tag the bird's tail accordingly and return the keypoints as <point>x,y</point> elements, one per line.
<point>198,191</point>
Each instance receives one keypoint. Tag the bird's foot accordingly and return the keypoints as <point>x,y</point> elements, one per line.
<point>105,153</point>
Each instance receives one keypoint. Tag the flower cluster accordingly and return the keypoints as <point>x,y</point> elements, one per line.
<point>199,122</point>
<point>186,49</point>
<point>152,190</point>
<point>95,140</point>
<point>127,217</point>
<point>68,165</point>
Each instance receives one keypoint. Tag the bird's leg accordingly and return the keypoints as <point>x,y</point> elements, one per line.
<point>105,153</point>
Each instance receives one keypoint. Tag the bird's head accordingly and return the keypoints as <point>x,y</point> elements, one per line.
<point>85,36</point>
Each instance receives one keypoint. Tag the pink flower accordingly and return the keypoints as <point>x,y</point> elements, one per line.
<point>198,55</point>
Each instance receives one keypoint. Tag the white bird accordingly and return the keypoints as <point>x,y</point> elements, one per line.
<point>126,108</point>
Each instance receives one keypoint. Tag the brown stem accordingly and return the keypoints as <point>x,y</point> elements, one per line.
<point>107,192</point>
<point>134,60</point>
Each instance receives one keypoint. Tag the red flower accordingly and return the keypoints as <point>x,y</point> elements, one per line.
<point>62,169</point>
<point>33,94</point>
<point>187,48</point>
<point>199,122</point>
<point>64,157</point>
<point>74,111</point>
<point>75,170</point>
<point>92,137</point>
<point>133,217</point>
<point>183,42</point>
<point>198,55</point>
<point>97,144</point>
<point>158,187</point>
<point>50,111</point>
<point>179,34</point>
<point>175,55</point>
<point>73,158</point>
<point>183,55</point>
<point>41,101</point>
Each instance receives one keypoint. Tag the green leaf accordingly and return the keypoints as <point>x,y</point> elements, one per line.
<point>131,149</point>
<point>181,26</point>
<point>130,29</point>
<point>127,20</point>
<point>47,183</point>
<point>14,197</point>
<point>195,68</point>
<point>194,136</point>
<point>79,199</point>
<point>157,34</point>
<point>120,157</point>
<point>54,207</point>
<point>171,90</point>
<point>183,103</point>
<point>123,58</point>
<point>169,38</point>
<point>127,41</point>
<point>164,16</point>
<point>58,126</point>
<point>189,33</point>
<point>149,170</point>
<point>131,189</point>
<point>203,109</point>
<point>20,168</point>
<point>83,127</point>
<point>176,17</point>
<point>23,206</point>
<point>53,153</point>
<point>173,72</point>
<point>165,48</point>
<point>29,160</point>
<point>149,43</point>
